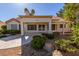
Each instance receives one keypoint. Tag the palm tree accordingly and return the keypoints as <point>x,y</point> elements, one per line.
<point>32,12</point>
<point>25,10</point>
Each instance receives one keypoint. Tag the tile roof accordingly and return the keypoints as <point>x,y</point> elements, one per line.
<point>13,19</point>
<point>35,16</point>
<point>2,23</point>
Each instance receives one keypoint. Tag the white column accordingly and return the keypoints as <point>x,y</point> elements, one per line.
<point>58,27</point>
<point>50,29</point>
<point>37,27</point>
<point>25,28</point>
<point>63,27</point>
<point>22,30</point>
<point>45,27</point>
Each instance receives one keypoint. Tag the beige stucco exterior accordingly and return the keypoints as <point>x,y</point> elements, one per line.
<point>12,22</point>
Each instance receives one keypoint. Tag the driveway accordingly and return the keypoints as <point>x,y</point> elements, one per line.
<point>14,41</point>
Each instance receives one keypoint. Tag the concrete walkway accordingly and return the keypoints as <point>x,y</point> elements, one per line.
<point>14,41</point>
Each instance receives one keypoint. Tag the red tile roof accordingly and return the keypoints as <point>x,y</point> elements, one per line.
<point>2,23</point>
<point>13,19</point>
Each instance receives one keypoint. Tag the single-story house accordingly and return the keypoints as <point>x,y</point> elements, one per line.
<point>1,24</point>
<point>27,24</point>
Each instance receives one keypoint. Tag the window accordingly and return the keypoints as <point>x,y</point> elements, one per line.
<point>14,26</point>
<point>53,26</point>
<point>61,25</point>
<point>41,27</point>
<point>31,27</point>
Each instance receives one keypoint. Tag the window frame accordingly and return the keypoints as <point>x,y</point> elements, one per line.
<point>13,27</point>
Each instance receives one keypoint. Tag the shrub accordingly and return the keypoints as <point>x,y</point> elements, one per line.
<point>38,42</point>
<point>69,49</point>
<point>75,37</point>
<point>4,27</point>
<point>56,34</point>
<point>5,32</point>
<point>48,35</point>
<point>51,35</point>
<point>62,43</point>
<point>12,32</point>
<point>0,32</point>
<point>65,45</point>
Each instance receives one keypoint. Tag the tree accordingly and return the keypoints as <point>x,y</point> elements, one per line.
<point>32,12</point>
<point>25,10</point>
<point>60,13</point>
<point>4,27</point>
<point>70,12</point>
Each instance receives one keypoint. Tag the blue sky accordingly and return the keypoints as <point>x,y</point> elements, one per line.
<point>12,10</point>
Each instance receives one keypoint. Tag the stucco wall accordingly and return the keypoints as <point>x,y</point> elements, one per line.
<point>12,22</point>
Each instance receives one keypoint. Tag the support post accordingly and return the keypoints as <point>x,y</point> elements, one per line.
<point>22,30</point>
<point>37,27</point>
<point>50,29</point>
<point>63,28</point>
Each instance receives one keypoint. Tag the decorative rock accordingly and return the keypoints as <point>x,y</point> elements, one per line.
<point>48,47</point>
<point>57,53</point>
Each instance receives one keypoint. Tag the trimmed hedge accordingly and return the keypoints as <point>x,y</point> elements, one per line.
<point>48,36</point>
<point>12,32</point>
<point>38,42</point>
<point>0,32</point>
<point>51,35</point>
<point>56,34</point>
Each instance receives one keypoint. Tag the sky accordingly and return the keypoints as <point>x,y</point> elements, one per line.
<point>12,10</point>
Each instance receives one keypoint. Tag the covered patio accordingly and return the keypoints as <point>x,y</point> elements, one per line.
<point>44,27</point>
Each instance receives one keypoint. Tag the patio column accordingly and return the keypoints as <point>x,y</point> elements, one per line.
<point>25,28</point>
<point>37,27</point>
<point>58,27</point>
<point>45,27</point>
<point>22,30</point>
<point>50,29</point>
<point>63,27</point>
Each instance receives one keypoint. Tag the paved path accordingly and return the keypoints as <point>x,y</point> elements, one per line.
<point>14,41</point>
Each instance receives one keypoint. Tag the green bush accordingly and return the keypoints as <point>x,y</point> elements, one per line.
<point>69,49</point>
<point>62,44</point>
<point>51,35</point>
<point>38,42</point>
<point>12,32</point>
<point>56,34</point>
<point>75,37</point>
<point>48,35</point>
<point>0,32</point>
<point>4,27</point>
<point>65,45</point>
